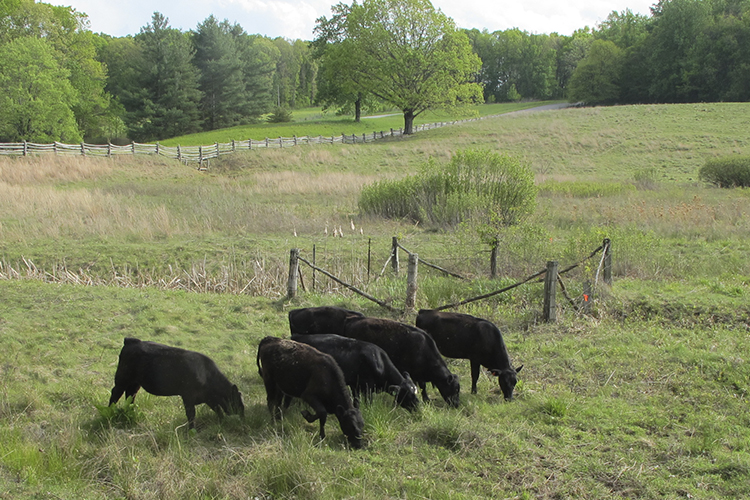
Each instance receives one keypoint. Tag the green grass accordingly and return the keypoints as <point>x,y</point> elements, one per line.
<point>646,398</point>
<point>313,122</point>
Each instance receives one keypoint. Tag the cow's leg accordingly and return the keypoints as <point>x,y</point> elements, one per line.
<point>129,390</point>
<point>475,367</point>
<point>423,386</point>
<point>320,414</point>
<point>190,412</point>
<point>117,391</point>
<point>273,398</point>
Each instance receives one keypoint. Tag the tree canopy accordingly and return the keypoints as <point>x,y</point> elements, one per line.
<point>404,52</point>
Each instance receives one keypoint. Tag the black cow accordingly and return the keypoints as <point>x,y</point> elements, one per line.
<point>478,340</point>
<point>411,350</point>
<point>293,369</point>
<point>170,371</point>
<point>317,320</point>
<point>367,368</point>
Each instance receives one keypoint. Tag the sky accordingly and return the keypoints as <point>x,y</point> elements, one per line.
<point>296,19</point>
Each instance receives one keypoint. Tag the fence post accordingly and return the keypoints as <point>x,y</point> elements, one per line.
<point>607,245</point>
<point>411,282</point>
<point>217,149</point>
<point>587,298</point>
<point>200,157</point>
<point>234,147</point>
<point>281,142</point>
<point>25,148</point>
<point>132,145</point>
<point>179,153</point>
<point>291,285</point>
<point>549,312</point>
<point>109,149</point>
<point>313,271</point>
<point>493,259</point>
<point>394,254</point>
<point>83,150</point>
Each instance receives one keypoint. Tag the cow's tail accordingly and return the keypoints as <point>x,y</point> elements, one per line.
<point>257,362</point>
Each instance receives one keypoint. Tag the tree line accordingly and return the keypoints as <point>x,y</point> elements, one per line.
<point>60,81</point>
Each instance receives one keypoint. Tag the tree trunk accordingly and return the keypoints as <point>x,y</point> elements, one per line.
<point>408,121</point>
<point>358,109</point>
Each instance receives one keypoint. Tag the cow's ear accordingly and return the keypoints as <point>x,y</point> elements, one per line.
<point>519,368</point>
<point>407,376</point>
<point>393,390</point>
<point>495,372</point>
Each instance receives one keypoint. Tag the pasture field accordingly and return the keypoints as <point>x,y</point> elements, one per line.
<point>314,122</point>
<point>644,398</point>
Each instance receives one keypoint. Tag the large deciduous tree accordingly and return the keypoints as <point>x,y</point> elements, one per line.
<point>36,96</point>
<point>72,45</point>
<point>596,80</point>
<point>408,54</point>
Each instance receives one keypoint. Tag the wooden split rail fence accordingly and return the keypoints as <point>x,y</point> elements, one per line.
<point>202,154</point>
<point>551,275</point>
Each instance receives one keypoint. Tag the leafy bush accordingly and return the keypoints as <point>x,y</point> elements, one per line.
<point>126,415</point>
<point>727,171</point>
<point>478,185</point>
<point>280,115</point>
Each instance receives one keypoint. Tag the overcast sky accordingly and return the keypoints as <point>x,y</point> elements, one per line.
<point>296,19</point>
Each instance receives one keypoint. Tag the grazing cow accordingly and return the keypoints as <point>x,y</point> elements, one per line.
<point>292,369</point>
<point>316,320</point>
<point>367,368</point>
<point>411,350</point>
<point>170,371</point>
<point>478,340</point>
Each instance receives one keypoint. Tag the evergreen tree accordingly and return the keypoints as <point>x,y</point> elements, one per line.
<point>221,78</point>
<point>165,102</point>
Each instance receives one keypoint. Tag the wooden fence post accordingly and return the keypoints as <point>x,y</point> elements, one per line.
<point>587,298</point>
<point>549,312</point>
<point>313,271</point>
<point>369,257</point>
<point>291,285</point>
<point>493,259</point>
<point>83,150</point>
<point>607,245</point>
<point>109,149</point>
<point>394,254</point>
<point>411,282</point>
<point>25,148</point>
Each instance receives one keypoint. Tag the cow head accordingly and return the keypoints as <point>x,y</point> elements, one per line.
<point>449,389</point>
<point>233,405</point>
<point>507,379</point>
<point>352,425</point>
<point>407,394</point>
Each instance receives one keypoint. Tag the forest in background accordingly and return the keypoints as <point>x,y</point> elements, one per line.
<point>59,81</point>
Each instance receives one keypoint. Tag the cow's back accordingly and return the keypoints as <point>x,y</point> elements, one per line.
<point>319,320</point>
<point>409,348</point>
<point>166,371</point>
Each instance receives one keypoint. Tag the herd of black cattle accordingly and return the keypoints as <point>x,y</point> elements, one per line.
<point>330,348</point>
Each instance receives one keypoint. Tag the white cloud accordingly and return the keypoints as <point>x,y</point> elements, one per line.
<point>295,20</point>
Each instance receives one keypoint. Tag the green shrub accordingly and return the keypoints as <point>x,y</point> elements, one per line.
<point>727,171</point>
<point>478,185</point>
<point>280,115</point>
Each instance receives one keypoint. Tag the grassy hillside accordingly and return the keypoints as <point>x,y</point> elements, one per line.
<point>645,398</point>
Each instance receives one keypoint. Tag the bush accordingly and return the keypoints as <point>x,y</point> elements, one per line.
<point>727,171</point>
<point>280,115</point>
<point>479,185</point>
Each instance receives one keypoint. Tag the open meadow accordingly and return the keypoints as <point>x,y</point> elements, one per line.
<point>644,397</point>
